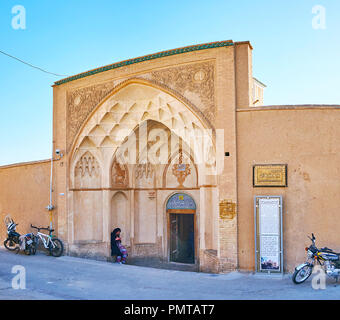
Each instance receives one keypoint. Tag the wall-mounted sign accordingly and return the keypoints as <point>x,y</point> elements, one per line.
<point>227,209</point>
<point>268,234</point>
<point>270,175</point>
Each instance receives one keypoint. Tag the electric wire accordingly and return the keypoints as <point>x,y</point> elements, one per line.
<point>33,66</point>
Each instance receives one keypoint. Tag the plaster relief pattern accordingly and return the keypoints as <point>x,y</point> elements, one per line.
<point>195,82</point>
<point>87,172</point>
<point>119,175</point>
<point>145,175</point>
<point>132,105</point>
<point>144,170</point>
<point>181,170</point>
<point>80,103</point>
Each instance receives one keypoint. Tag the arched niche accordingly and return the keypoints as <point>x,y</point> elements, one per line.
<point>120,216</point>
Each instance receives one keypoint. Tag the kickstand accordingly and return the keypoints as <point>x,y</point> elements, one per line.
<point>17,250</point>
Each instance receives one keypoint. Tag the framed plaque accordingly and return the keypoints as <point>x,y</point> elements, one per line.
<point>227,209</point>
<point>268,234</point>
<point>270,175</point>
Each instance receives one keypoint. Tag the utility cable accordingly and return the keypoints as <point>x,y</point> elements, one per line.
<point>31,65</point>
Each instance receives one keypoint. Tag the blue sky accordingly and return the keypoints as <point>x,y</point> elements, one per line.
<point>298,63</point>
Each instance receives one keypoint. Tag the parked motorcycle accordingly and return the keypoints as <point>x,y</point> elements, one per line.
<point>14,240</point>
<point>325,257</point>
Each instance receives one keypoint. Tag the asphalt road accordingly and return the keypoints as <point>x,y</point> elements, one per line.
<point>75,278</point>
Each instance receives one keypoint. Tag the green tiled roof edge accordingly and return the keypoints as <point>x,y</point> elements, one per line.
<point>147,57</point>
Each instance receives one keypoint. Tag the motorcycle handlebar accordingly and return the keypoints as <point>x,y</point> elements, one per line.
<point>40,228</point>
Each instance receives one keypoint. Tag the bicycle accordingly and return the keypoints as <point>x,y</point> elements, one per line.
<point>53,245</point>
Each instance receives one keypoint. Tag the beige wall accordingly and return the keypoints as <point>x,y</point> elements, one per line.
<point>307,139</point>
<point>24,194</point>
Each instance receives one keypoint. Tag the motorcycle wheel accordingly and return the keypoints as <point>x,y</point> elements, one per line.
<point>59,248</point>
<point>302,275</point>
<point>10,244</point>
<point>28,251</point>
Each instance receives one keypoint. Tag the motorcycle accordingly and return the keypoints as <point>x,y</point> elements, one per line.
<point>14,239</point>
<point>325,257</point>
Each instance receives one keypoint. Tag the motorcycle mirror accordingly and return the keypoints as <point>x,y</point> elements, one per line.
<point>313,236</point>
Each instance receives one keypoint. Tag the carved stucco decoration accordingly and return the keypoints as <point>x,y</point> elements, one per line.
<point>87,165</point>
<point>146,170</point>
<point>80,103</point>
<point>119,175</point>
<point>87,172</point>
<point>181,170</point>
<point>145,176</point>
<point>195,82</point>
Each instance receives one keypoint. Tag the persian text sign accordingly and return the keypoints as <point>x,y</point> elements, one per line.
<point>273,175</point>
<point>268,233</point>
<point>227,209</point>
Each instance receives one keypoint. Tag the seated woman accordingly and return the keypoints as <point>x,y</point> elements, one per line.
<point>117,249</point>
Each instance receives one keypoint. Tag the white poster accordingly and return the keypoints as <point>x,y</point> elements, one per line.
<point>269,216</point>
<point>269,233</point>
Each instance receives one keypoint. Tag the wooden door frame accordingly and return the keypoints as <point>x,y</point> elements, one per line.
<point>196,238</point>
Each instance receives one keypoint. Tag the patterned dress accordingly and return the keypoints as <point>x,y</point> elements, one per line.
<point>117,249</point>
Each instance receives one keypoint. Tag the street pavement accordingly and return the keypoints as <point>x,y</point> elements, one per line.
<point>70,278</point>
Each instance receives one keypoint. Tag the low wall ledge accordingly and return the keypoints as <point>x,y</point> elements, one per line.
<point>21,164</point>
<point>290,107</point>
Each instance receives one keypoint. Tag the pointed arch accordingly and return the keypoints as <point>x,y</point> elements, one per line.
<point>151,84</point>
<point>131,103</point>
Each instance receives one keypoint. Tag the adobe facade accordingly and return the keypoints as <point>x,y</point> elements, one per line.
<point>125,131</point>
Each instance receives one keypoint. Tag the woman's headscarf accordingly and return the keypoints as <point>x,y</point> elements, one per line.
<point>115,231</point>
<point>114,248</point>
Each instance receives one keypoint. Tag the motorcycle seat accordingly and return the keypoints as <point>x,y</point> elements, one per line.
<point>14,234</point>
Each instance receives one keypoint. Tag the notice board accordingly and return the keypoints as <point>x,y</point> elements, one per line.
<point>268,234</point>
